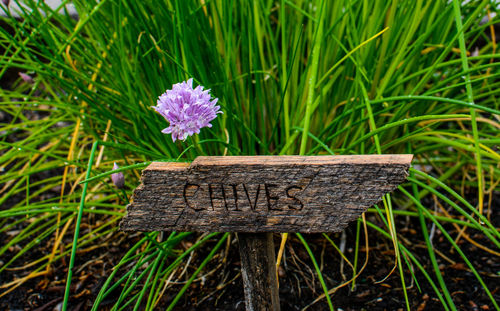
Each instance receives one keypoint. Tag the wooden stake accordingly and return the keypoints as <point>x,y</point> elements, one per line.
<point>258,270</point>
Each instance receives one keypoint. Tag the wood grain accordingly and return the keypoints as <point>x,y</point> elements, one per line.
<point>258,271</point>
<point>262,193</point>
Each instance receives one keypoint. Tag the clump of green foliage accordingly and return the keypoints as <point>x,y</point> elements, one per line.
<point>292,77</point>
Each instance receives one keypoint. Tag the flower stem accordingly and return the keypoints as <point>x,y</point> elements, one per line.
<point>196,143</point>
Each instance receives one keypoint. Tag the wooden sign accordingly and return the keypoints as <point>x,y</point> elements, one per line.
<point>262,193</point>
<point>257,195</point>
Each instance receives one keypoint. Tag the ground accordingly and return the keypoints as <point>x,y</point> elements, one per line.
<point>219,286</point>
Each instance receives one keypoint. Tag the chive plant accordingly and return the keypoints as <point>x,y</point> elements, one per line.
<point>292,77</point>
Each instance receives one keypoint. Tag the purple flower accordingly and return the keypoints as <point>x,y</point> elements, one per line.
<point>26,78</point>
<point>118,178</point>
<point>186,109</point>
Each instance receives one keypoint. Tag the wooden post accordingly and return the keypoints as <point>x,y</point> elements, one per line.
<point>255,196</point>
<point>258,271</point>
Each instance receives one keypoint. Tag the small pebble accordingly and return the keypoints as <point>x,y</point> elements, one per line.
<point>281,272</point>
<point>58,307</point>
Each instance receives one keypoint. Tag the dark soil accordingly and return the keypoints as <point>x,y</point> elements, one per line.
<point>299,285</point>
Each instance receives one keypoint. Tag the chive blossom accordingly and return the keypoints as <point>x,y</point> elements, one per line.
<point>187,109</point>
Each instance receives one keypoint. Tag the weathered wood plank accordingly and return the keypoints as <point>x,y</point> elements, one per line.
<point>258,271</point>
<point>262,193</point>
